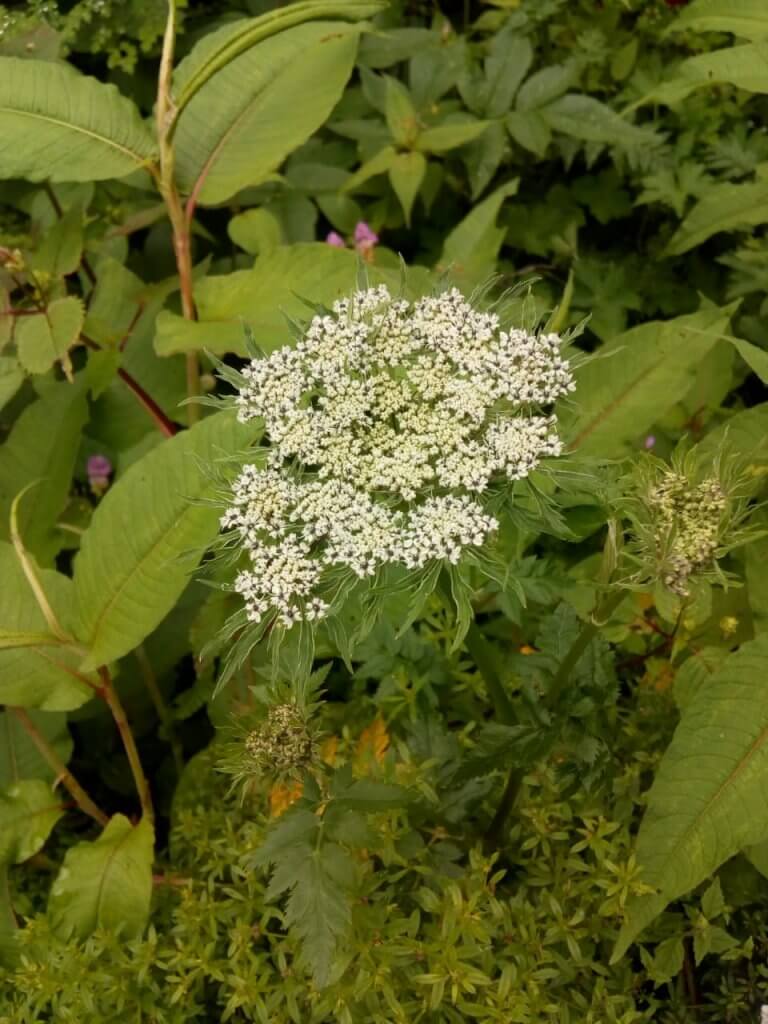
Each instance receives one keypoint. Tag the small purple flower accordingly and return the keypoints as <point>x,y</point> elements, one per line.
<point>365,238</point>
<point>334,238</point>
<point>649,442</point>
<point>99,470</point>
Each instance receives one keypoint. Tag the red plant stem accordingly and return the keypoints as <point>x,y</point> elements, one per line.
<point>109,693</point>
<point>79,795</point>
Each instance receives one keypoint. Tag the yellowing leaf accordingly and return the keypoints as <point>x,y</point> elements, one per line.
<point>281,796</point>
<point>373,742</point>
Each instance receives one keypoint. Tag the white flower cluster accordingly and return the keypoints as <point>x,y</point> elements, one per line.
<point>383,421</point>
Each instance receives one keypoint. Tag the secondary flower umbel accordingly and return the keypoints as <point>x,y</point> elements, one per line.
<point>386,423</point>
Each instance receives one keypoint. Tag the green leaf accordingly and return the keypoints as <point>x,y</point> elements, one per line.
<point>725,207</point>
<point>449,136</point>
<point>584,117</point>
<point>260,106</point>
<point>708,800</point>
<point>28,812</point>
<point>529,130</point>
<point>131,568</point>
<point>406,175</point>
<point>256,231</point>
<point>61,248</point>
<point>58,125</point>
<point>746,67</point>
<point>280,285</point>
<point>106,883</point>
<point>747,19</point>
<point>12,639</point>
<point>42,446</point>
<point>401,115</point>
<point>378,164</point>
<point>369,795</point>
<point>756,358</point>
<point>505,69</point>
<point>218,49</point>
<point>637,377</point>
<point>37,675</point>
<point>473,245</point>
<point>11,379</point>
<point>20,758</point>
<point>43,339</point>
<point>546,85</point>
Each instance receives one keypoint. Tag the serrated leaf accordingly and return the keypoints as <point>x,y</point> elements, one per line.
<point>106,883</point>
<point>130,569</point>
<point>529,130</point>
<point>58,125</point>
<point>406,175</point>
<point>708,800</point>
<point>637,377</point>
<point>747,19</point>
<point>28,812</point>
<point>369,795</point>
<point>724,207</point>
<point>505,69</point>
<point>546,85</point>
<point>43,339</point>
<point>584,117</point>
<point>37,674</point>
<point>243,122</point>
<point>42,446</point>
<point>20,758</point>
<point>61,248</point>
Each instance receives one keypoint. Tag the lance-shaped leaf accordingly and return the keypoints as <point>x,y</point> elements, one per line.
<point>218,49</point>
<point>710,796</point>
<point>58,125</point>
<point>106,883</point>
<point>746,67</point>
<point>725,207</point>
<point>35,671</point>
<point>747,19</point>
<point>637,377</point>
<point>239,127</point>
<point>20,758</point>
<point>147,535</point>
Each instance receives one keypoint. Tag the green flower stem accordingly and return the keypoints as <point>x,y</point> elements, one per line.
<point>78,794</point>
<point>602,612</point>
<point>109,693</point>
<point>483,657</point>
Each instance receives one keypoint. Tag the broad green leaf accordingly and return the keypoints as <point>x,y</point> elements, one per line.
<point>257,231</point>
<point>483,157</point>
<point>505,69</point>
<point>637,377</point>
<point>747,19</point>
<point>37,674</point>
<point>449,136</point>
<point>106,883</point>
<point>756,358</point>
<point>710,797</point>
<point>725,207</point>
<point>146,537</point>
<point>473,245</point>
<point>61,248</point>
<point>20,758</point>
<point>402,119</point>
<point>28,812</point>
<point>584,117</point>
<point>43,339</point>
<point>406,175</point>
<point>746,431</point>
<point>13,639</point>
<point>280,285</point>
<point>42,446</point>
<point>218,49</point>
<point>746,67</point>
<point>259,107</point>
<point>58,125</point>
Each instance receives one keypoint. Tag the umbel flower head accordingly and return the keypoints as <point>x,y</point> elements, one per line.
<point>387,423</point>
<point>687,516</point>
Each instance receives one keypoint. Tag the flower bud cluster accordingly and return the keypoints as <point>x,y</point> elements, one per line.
<point>283,744</point>
<point>386,423</point>
<point>687,526</point>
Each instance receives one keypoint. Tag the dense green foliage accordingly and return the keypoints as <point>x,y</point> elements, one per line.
<point>526,787</point>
